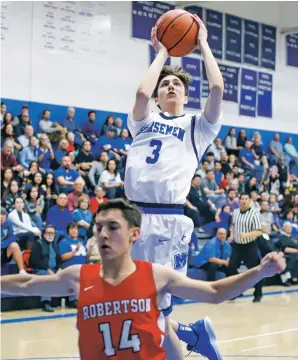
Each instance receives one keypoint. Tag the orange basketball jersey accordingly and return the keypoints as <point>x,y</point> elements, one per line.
<point>120,322</point>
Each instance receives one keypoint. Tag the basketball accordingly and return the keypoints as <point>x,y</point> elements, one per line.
<point>178,32</point>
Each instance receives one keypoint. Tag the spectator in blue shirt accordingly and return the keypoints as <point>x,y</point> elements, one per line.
<point>29,153</point>
<point>247,159</point>
<point>259,153</point>
<point>45,153</point>
<point>61,151</point>
<point>215,255</point>
<point>65,176</point>
<point>71,125</point>
<point>73,252</point>
<point>9,247</point>
<point>59,215</point>
<point>82,216</point>
<point>218,175</point>
<point>90,129</point>
<point>106,143</point>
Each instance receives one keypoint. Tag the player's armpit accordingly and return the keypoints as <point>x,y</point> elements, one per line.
<point>64,283</point>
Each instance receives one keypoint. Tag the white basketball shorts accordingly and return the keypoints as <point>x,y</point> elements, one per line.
<point>164,240</point>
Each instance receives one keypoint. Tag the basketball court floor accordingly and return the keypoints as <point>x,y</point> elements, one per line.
<point>266,330</point>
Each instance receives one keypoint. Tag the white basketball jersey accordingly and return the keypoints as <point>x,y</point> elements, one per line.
<point>164,156</point>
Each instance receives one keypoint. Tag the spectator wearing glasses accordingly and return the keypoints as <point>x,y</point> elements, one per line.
<point>45,259</point>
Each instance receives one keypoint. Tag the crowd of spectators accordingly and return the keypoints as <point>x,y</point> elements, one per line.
<point>55,176</point>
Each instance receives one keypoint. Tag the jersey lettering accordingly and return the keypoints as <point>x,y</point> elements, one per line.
<point>127,341</point>
<point>163,129</point>
<point>156,144</point>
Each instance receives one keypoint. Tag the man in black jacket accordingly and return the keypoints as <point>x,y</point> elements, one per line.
<point>199,201</point>
<point>45,259</point>
<point>289,246</point>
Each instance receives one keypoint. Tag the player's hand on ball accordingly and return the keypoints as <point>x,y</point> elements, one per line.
<point>272,264</point>
<point>157,45</point>
<point>203,33</point>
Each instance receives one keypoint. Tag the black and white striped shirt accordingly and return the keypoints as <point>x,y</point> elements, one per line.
<point>245,222</point>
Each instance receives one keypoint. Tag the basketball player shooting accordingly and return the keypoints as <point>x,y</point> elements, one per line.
<point>118,314</point>
<point>163,158</point>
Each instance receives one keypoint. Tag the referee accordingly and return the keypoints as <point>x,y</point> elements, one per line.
<point>246,228</point>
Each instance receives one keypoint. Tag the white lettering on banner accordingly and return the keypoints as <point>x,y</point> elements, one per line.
<point>110,308</point>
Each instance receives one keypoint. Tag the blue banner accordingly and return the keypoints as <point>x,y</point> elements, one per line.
<point>233,38</point>
<point>230,76</point>
<point>292,49</point>
<point>251,42</point>
<point>193,66</point>
<point>152,55</point>
<point>248,94</point>
<point>198,11</point>
<point>265,95</point>
<point>214,24</point>
<point>268,47</point>
<point>144,17</point>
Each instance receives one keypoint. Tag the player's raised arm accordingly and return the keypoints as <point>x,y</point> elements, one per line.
<point>221,290</point>
<point>216,84</point>
<point>145,90</point>
<point>61,284</point>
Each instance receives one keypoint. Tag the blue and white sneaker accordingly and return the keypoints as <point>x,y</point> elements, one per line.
<point>206,344</point>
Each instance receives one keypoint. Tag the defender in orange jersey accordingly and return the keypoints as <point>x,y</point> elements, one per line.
<point>118,307</point>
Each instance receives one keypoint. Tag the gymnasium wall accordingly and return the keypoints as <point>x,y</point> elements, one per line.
<point>105,72</point>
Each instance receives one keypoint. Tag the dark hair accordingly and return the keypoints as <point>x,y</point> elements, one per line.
<point>72,225</point>
<point>49,226</point>
<point>18,197</point>
<point>45,110</point>
<point>129,211</point>
<point>210,153</point>
<point>91,112</point>
<point>230,190</point>
<point>208,171</point>
<point>195,176</point>
<point>177,71</point>
<point>244,194</point>
<point>216,162</point>
<point>116,169</point>
<point>3,103</point>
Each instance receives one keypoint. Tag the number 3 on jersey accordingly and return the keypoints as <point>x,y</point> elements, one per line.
<point>127,341</point>
<point>156,144</point>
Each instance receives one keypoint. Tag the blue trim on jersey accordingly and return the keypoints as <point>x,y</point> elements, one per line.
<point>170,117</point>
<point>192,132</point>
<point>162,211</point>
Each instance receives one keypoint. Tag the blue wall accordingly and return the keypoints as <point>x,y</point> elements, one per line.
<point>58,113</point>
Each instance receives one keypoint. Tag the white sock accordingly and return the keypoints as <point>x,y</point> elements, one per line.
<point>23,272</point>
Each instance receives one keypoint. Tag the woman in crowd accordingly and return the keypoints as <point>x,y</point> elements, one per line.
<point>110,120</point>
<point>12,192</point>
<point>111,180</point>
<point>9,134</point>
<point>35,207</point>
<point>251,185</point>
<point>6,178</point>
<point>241,139</point>
<point>231,142</point>
<point>82,216</point>
<point>51,193</point>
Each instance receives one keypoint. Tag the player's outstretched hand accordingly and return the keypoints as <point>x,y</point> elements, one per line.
<point>203,33</point>
<point>272,264</point>
<point>157,45</point>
